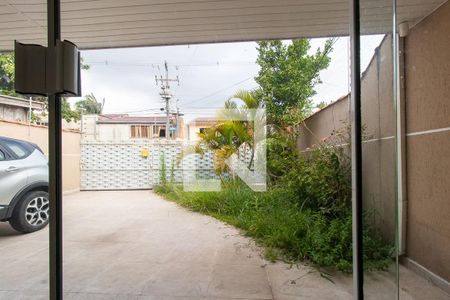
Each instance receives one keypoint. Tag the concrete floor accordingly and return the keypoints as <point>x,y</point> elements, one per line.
<point>135,245</point>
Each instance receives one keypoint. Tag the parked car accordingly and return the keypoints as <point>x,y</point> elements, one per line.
<point>23,185</point>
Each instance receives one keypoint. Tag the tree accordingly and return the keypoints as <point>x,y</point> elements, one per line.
<point>90,105</point>
<point>231,135</point>
<point>287,78</point>
<point>321,105</point>
<point>251,102</point>
<point>67,113</point>
<point>7,74</point>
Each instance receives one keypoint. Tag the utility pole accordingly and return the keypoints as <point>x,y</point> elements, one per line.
<point>166,94</point>
<point>178,120</point>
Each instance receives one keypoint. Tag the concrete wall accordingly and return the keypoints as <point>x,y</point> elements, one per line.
<point>379,146</point>
<point>193,131</point>
<point>379,143</point>
<point>39,135</point>
<point>427,113</point>
<point>427,73</point>
<point>113,132</point>
<point>116,132</point>
<point>323,123</point>
<point>9,112</point>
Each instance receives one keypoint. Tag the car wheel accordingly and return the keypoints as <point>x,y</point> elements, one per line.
<point>31,213</point>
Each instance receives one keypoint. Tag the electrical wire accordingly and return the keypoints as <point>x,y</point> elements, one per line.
<point>157,65</point>
<point>135,111</point>
<point>218,91</point>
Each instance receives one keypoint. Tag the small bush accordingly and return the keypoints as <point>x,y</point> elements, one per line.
<point>162,171</point>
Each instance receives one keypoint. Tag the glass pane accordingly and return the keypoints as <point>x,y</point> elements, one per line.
<point>293,239</point>
<point>24,210</point>
<point>403,112</point>
<point>424,113</point>
<point>378,97</point>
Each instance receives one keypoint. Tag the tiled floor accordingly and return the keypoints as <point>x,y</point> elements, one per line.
<point>134,245</point>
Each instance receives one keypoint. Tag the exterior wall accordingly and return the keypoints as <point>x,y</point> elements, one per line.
<point>427,72</point>
<point>12,113</point>
<point>103,132</point>
<point>377,107</point>
<point>323,123</point>
<point>91,130</point>
<point>193,130</point>
<point>113,132</point>
<point>427,113</point>
<point>16,109</point>
<point>379,145</point>
<point>39,136</point>
<point>88,127</point>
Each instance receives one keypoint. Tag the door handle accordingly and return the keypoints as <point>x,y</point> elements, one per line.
<point>12,169</point>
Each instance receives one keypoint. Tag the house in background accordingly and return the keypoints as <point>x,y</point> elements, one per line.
<point>123,127</point>
<point>198,125</point>
<point>17,109</point>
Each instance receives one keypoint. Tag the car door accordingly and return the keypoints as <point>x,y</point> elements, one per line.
<point>13,175</point>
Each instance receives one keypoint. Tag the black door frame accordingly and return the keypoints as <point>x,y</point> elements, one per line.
<point>55,156</point>
<point>356,150</point>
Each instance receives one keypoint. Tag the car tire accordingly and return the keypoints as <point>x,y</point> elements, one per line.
<point>31,212</point>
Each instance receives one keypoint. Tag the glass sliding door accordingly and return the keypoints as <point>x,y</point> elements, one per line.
<point>379,169</point>
<point>24,201</point>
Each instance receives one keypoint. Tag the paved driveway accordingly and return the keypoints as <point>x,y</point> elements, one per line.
<point>135,245</point>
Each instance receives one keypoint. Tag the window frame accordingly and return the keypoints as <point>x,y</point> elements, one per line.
<point>3,155</point>
<point>137,130</point>
<point>11,154</point>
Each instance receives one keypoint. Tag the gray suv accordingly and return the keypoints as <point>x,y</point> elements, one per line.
<point>23,185</point>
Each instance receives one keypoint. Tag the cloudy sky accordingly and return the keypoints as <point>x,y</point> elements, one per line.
<point>208,74</point>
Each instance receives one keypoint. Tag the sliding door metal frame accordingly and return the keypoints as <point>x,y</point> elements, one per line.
<point>55,156</point>
<point>356,151</point>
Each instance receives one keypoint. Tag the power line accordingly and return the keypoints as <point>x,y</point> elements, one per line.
<point>157,65</point>
<point>136,111</point>
<point>219,91</point>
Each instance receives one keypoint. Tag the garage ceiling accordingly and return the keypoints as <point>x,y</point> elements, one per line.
<point>130,23</point>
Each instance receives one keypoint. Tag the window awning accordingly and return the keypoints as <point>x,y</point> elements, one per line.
<point>118,23</point>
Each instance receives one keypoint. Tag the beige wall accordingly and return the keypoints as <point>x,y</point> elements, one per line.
<point>113,132</point>
<point>427,113</point>
<point>194,129</point>
<point>323,123</point>
<point>13,113</point>
<point>379,145</point>
<point>427,72</point>
<point>39,136</point>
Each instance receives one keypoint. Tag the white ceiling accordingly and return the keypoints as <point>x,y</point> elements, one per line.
<point>130,23</point>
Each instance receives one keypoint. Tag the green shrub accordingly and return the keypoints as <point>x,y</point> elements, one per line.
<point>162,170</point>
<point>306,213</point>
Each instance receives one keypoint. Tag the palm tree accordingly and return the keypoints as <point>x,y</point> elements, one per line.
<point>251,103</point>
<point>90,105</point>
<point>233,133</point>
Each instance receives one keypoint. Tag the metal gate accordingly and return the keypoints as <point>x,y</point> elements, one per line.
<point>116,165</point>
<point>137,164</point>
